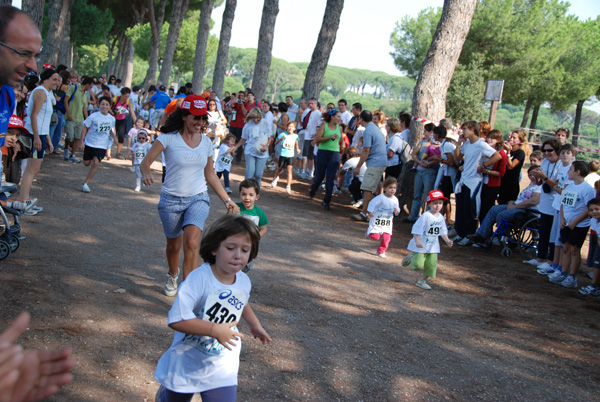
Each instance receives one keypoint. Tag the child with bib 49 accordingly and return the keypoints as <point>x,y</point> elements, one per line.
<point>138,150</point>
<point>381,210</point>
<point>425,245</point>
<point>205,354</point>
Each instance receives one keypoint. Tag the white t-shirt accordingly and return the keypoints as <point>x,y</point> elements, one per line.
<point>428,228</point>
<point>223,160</point>
<point>574,199</point>
<point>256,134</point>
<point>196,363</point>
<point>351,165</point>
<point>185,165</point>
<point>445,148</point>
<point>592,178</point>
<point>474,152</point>
<point>396,144</point>
<point>357,136</point>
<point>527,193</point>
<point>311,127</point>
<point>99,127</point>
<point>292,112</point>
<point>546,199</point>
<point>346,116</point>
<point>44,116</point>
<point>563,182</point>
<point>140,151</point>
<point>405,134</point>
<point>382,209</point>
<point>594,224</point>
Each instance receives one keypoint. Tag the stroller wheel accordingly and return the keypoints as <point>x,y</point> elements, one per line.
<point>14,243</point>
<point>4,249</point>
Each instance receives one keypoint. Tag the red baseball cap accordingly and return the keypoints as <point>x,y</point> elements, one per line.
<point>435,195</point>
<point>16,122</point>
<point>196,104</point>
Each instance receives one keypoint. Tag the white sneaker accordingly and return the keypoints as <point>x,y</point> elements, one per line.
<point>137,188</point>
<point>533,262</point>
<point>382,255</point>
<point>358,204</point>
<point>73,159</point>
<point>171,285</point>
<point>85,188</point>
<point>274,182</point>
<point>288,189</point>
<point>66,154</point>
<point>24,206</point>
<point>422,284</point>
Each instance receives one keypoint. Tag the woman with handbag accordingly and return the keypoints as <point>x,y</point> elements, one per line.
<point>256,134</point>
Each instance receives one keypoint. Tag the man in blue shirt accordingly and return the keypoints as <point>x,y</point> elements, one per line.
<point>161,100</point>
<point>375,155</point>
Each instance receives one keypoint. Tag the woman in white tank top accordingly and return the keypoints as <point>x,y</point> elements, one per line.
<point>37,121</point>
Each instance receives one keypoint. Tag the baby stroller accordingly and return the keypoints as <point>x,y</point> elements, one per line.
<point>10,239</point>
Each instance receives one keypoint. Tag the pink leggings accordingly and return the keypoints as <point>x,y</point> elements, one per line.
<point>385,241</point>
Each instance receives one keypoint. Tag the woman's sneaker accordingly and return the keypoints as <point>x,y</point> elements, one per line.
<point>171,285</point>
<point>85,188</point>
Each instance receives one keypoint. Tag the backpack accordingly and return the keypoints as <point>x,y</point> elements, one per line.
<point>405,154</point>
<point>60,105</point>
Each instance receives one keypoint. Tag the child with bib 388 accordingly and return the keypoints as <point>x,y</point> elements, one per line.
<point>381,210</point>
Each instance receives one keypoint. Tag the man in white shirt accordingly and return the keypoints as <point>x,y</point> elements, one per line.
<point>312,120</point>
<point>345,114</point>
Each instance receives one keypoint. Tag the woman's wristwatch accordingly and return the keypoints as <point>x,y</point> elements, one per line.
<point>227,201</point>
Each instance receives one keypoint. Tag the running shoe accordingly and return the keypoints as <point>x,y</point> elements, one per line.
<point>406,261</point>
<point>463,242</point>
<point>569,282</point>
<point>73,159</point>
<point>359,217</point>
<point>171,285</point>
<point>66,154</point>
<point>288,189</point>
<point>590,290</point>
<point>545,269</point>
<point>358,204</point>
<point>24,206</point>
<point>533,262</point>
<point>137,189</point>
<point>422,284</point>
<point>556,277</point>
<point>382,255</point>
<point>274,182</point>
<point>336,190</point>
<point>85,188</point>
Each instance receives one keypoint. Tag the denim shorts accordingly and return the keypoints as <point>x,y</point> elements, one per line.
<point>177,212</point>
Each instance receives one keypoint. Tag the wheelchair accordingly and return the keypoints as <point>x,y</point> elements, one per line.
<point>523,234</point>
<point>10,238</point>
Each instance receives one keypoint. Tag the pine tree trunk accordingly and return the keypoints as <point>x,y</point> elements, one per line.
<point>65,54</point>
<point>429,99</point>
<point>223,51</point>
<point>320,57</point>
<point>156,22</point>
<point>35,10</point>
<point>201,42</point>
<point>534,116</point>
<point>177,15</point>
<point>58,10</point>
<point>526,114</point>
<point>265,47</point>
<point>577,121</point>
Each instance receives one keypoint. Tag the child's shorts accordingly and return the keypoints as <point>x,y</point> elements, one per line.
<point>285,162</point>
<point>425,261</point>
<point>90,152</point>
<point>574,237</point>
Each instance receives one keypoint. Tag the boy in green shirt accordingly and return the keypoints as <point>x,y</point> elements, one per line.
<point>249,193</point>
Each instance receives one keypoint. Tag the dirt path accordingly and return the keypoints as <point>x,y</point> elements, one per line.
<point>347,325</point>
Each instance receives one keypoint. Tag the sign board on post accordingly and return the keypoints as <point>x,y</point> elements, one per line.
<point>493,93</point>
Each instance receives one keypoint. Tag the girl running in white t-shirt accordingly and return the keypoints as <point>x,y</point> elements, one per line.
<point>381,210</point>
<point>138,152</point>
